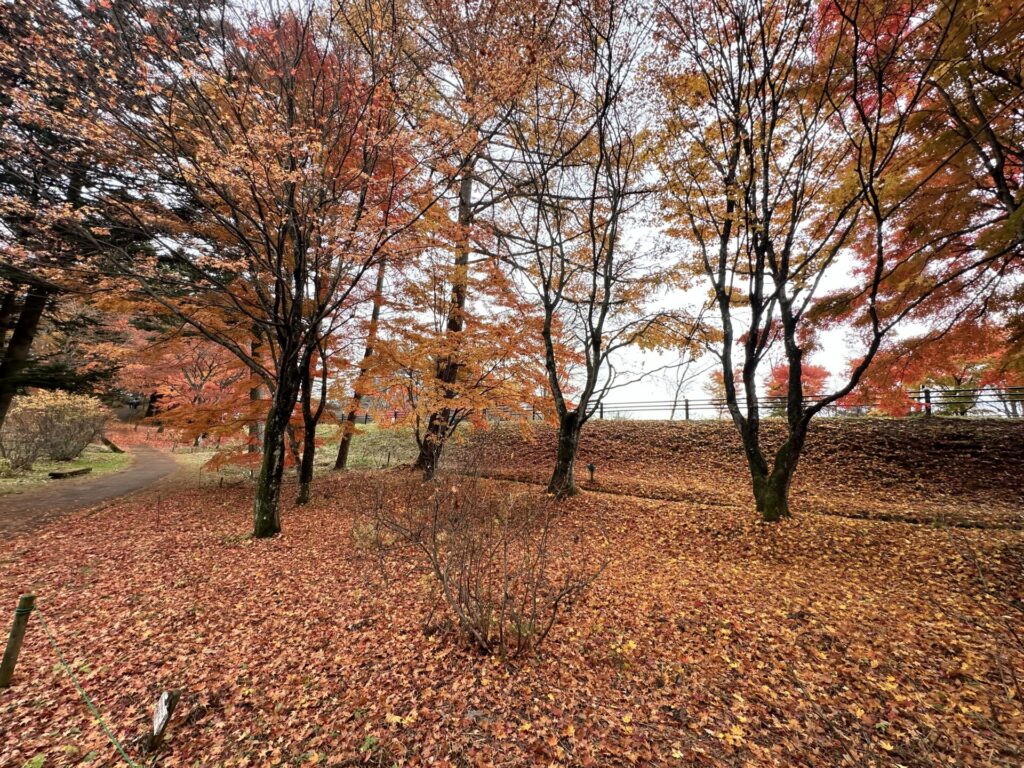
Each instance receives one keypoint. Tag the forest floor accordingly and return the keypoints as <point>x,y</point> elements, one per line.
<point>937,471</point>
<point>709,639</point>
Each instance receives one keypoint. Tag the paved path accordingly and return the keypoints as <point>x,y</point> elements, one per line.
<point>26,511</point>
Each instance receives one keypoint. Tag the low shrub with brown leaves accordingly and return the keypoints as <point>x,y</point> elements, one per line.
<point>58,425</point>
<point>492,558</point>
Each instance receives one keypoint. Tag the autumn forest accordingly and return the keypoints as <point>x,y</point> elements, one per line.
<point>334,338</point>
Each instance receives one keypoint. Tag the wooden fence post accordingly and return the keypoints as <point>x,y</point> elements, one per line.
<point>686,408</point>
<point>927,402</point>
<point>21,613</point>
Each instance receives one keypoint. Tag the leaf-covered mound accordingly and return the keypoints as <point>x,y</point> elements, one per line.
<point>709,640</point>
<point>958,471</point>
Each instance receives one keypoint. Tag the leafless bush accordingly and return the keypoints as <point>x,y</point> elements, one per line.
<point>58,425</point>
<point>504,565</point>
<point>21,440</point>
<point>70,423</point>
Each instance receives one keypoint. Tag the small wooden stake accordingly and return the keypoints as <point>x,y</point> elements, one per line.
<point>25,605</point>
<point>161,717</point>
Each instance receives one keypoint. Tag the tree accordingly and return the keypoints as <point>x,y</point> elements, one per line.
<point>968,358</point>
<point>971,141</point>
<point>361,385</point>
<point>47,168</point>
<point>814,379</point>
<point>789,157</point>
<point>575,181</point>
<point>499,372</point>
<point>482,55</point>
<point>267,156</point>
<point>676,380</point>
<point>201,386</point>
<point>972,115</point>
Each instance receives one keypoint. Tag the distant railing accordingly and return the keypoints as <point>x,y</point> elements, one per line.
<point>964,401</point>
<point>1006,402</point>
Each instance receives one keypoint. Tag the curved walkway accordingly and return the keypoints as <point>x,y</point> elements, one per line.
<point>23,512</point>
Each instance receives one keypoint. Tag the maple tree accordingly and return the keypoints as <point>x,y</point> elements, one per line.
<point>970,164</point>
<point>268,157</point>
<point>777,385</point>
<point>498,372</point>
<point>965,363</point>
<point>575,184</point>
<point>973,117</point>
<point>198,384</point>
<point>481,56</point>
<point>47,171</point>
<point>789,154</point>
<point>361,383</point>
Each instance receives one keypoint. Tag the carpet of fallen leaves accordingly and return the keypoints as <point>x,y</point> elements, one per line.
<point>710,640</point>
<point>937,470</point>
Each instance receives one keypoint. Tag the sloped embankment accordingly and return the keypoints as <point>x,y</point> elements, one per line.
<point>959,471</point>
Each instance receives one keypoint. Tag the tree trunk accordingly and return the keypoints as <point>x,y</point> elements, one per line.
<point>266,505</point>
<point>429,458</point>
<point>255,429</point>
<point>563,479</point>
<point>771,495</point>
<point>771,489</point>
<point>306,466</point>
<point>348,427</point>
<point>16,355</point>
<point>308,438</point>
<point>439,425</point>
<point>7,311</point>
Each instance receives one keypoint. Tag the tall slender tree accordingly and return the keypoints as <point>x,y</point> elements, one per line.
<point>268,159</point>
<point>482,55</point>
<point>789,157</point>
<point>575,181</point>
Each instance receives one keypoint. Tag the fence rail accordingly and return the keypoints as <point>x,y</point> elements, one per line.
<point>964,401</point>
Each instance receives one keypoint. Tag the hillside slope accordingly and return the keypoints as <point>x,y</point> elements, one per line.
<point>962,471</point>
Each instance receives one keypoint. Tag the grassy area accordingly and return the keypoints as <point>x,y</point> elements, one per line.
<point>101,460</point>
<point>374,447</point>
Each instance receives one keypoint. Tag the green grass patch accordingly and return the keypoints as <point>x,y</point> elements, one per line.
<point>101,460</point>
<point>373,447</point>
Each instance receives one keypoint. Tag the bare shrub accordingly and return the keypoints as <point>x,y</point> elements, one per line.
<point>70,423</point>
<point>22,441</point>
<point>504,566</point>
<point>58,425</point>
